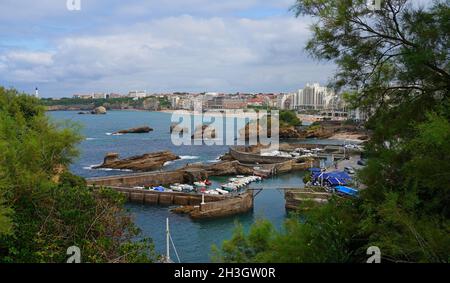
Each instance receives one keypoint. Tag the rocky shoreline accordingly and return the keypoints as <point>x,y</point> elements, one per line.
<point>142,163</point>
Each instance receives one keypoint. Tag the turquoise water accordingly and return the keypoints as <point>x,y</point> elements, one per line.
<point>193,239</point>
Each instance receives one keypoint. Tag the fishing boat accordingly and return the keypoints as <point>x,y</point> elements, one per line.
<point>212,192</point>
<point>222,192</point>
<point>229,187</point>
<point>176,187</point>
<point>200,184</point>
<point>187,188</point>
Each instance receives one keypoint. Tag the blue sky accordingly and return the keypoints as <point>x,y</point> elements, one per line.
<point>155,45</point>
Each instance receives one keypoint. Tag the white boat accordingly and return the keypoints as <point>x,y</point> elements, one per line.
<point>222,192</point>
<point>176,187</point>
<point>212,192</point>
<point>200,184</point>
<point>229,187</point>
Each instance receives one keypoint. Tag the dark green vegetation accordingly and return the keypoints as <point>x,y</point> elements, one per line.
<point>393,63</point>
<point>44,209</point>
<point>150,103</point>
<point>289,118</point>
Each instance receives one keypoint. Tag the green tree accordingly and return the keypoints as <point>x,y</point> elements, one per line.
<point>394,64</point>
<point>324,234</point>
<point>44,208</point>
<point>289,118</point>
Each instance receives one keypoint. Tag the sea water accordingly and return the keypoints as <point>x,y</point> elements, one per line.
<point>193,239</point>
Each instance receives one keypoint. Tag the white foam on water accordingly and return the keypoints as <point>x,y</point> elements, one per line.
<point>91,167</point>
<point>188,157</point>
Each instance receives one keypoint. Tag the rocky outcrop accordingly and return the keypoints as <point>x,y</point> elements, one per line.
<point>99,110</point>
<point>223,168</point>
<point>175,127</point>
<point>318,132</point>
<point>290,133</point>
<point>253,130</point>
<point>146,162</point>
<point>138,130</point>
<point>204,132</point>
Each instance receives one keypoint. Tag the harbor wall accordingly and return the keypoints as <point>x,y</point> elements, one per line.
<point>215,206</point>
<point>230,206</point>
<point>165,198</point>
<point>294,198</point>
<point>142,179</point>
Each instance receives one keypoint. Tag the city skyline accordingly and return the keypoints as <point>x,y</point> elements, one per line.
<point>194,46</point>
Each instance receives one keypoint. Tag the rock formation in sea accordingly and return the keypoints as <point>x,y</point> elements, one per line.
<point>175,127</point>
<point>204,132</point>
<point>146,162</point>
<point>99,110</point>
<point>138,130</point>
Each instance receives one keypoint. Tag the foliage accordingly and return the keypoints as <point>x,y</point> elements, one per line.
<point>40,218</point>
<point>323,234</point>
<point>289,118</point>
<point>151,103</point>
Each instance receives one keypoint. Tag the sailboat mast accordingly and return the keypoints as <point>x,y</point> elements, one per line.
<point>167,241</point>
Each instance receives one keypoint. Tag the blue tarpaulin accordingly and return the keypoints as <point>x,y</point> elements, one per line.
<point>347,190</point>
<point>159,189</point>
<point>336,178</point>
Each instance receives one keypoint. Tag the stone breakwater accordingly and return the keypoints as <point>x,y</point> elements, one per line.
<point>214,206</point>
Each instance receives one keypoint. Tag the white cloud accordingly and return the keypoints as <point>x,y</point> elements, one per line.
<point>173,53</point>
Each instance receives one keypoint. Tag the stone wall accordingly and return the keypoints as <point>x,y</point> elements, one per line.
<point>144,179</point>
<point>294,198</point>
<point>227,207</point>
<point>165,198</point>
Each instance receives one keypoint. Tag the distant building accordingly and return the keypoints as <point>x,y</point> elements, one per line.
<point>256,101</point>
<point>174,101</point>
<point>113,95</point>
<point>99,95</point>
<point>36,93</point>
<point>82,96</point>
<point>316,97</point>
<point>284,101</point>
<point>234,104</point>
<point>137,94</point>
<point>358,115</point>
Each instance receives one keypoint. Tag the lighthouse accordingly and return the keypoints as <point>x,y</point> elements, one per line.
<point>36,93</point>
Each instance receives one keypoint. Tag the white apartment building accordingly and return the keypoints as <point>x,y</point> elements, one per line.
<point>174,101</point>
<point>137,94</point>
<point>315,97</point>
<point>99,95</point>
<point>284,101</point>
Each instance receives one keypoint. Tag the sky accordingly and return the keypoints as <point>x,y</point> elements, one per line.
<point>155,45</point>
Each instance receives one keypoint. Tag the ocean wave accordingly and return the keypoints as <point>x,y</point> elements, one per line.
<point>168,163</point>
<point>91,167</point>
<point>91,139</point>
<point>187,157</point>
<point>111,134</point>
